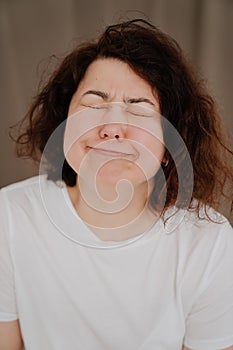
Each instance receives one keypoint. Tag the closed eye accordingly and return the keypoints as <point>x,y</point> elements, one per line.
<point>95,106</point>
<point>140,114</point>
<point>140,111</point>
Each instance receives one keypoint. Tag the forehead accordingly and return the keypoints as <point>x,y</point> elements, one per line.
<point>114,76</point>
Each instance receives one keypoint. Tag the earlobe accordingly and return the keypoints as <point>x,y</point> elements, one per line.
<point>165,162</point>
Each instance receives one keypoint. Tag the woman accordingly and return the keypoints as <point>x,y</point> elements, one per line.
<point>122,245</point>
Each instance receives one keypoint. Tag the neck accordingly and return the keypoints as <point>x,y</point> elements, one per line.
<point>116,216</point>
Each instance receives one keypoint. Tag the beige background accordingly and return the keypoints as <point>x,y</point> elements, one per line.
<point>32,30</point>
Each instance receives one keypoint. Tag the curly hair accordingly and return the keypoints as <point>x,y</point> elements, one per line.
<point>183,100</point>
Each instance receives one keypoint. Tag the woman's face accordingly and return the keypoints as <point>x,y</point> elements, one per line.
<point>114,129</point>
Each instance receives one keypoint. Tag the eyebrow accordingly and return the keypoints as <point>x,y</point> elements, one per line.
<point>140,99</point>
<point>105,97</point>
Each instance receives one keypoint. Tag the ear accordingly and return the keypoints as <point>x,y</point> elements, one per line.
<point>165,162</point>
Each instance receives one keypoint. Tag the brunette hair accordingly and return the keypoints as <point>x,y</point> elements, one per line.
<point>183,99</point>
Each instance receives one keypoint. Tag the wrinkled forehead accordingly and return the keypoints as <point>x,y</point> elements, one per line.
<point>112,80</point>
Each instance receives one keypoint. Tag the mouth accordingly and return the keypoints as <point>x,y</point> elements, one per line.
<point>112,153</point>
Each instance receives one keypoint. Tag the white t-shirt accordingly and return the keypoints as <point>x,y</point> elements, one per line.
<point>70,290</point>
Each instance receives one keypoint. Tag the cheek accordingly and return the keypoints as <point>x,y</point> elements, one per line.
<point>78,130</point>
<point>156,147</point>
<point>75,155</point>
<point>82,125</point>
<point>151,150</point>
<point>75,145</point>
<point>149,144</point>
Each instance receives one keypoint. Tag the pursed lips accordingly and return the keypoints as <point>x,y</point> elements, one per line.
<point>112,153</point>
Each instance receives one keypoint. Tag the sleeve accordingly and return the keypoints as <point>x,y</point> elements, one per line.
<point>209,325</point>
<point>8,310</point>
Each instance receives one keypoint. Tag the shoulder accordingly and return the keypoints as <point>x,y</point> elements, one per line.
<point>26,194</point>
<point>201,238</point>
<point>24,205</point>
<point>26,185</point>
<point>207,222</point>
<point>204,253</point>
<point>211,229</point>
<point>28,188</point>
<point>190,224</point>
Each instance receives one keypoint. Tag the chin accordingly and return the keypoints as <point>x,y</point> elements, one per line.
<point>117,170</point>
<point>112,178</point>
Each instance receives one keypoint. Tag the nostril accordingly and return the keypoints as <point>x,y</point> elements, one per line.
<point>116,136</point>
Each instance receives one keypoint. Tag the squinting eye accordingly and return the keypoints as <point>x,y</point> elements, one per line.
<point>96,106</point>
<point>140,112</point>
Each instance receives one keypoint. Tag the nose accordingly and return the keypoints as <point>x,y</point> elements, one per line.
<point>111,131</point>
<point>114,125</point>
